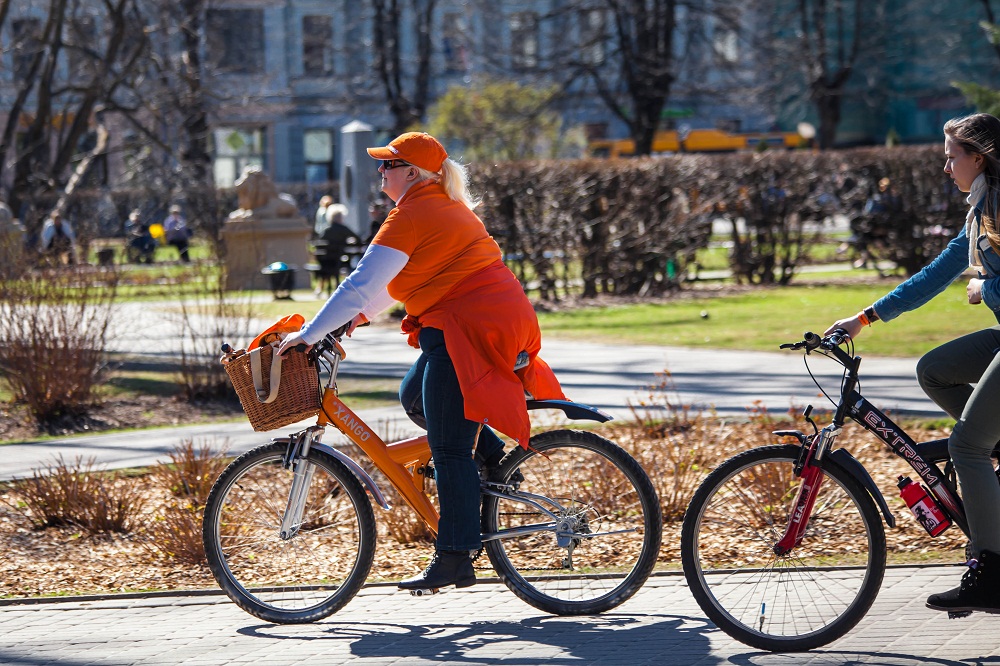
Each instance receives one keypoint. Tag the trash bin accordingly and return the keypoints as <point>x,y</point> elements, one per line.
<point>106,256</point>
<point>282,277</point>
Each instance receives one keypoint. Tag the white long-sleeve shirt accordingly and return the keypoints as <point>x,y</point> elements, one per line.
<point>365,290</point>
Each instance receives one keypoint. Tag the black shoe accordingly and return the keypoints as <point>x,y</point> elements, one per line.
<point>492,475</point>
<point>979,591</point>
<point>448,567</point>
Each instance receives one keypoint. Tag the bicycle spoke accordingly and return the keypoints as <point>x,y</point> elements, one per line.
<point>808,595</point>
<point>598,550</point>
<point>303,577</point>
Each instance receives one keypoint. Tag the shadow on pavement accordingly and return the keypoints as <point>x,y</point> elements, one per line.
<point>845,658</point>
<point>609,638</point>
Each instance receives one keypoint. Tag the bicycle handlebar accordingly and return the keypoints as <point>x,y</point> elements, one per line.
<point>811,341</point>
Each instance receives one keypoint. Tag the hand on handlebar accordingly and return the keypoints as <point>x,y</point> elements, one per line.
<point>359,320</point>
<point>852,325</point>
<point>292,341</point>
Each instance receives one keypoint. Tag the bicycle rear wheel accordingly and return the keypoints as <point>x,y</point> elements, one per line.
<point>798,601</point>
<point>600,542</point>
<point>308,576</point>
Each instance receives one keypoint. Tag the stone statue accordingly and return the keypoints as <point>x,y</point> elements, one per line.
<point>266,228</point>
<point>258,198</point>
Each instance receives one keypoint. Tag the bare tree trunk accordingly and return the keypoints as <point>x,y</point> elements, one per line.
<point>388,19</point>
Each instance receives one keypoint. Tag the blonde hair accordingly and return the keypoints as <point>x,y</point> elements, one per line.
<point>336,212</point>
<point>454,178</point>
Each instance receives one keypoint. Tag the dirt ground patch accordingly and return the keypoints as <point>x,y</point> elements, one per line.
<point>67,560</point>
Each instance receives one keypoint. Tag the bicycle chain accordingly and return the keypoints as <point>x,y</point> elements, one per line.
<point>513,513</point>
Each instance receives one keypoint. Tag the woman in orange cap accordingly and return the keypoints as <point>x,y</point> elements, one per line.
<point>468,315</point>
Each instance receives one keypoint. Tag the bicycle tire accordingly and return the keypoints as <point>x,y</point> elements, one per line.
<point>799,601</point>
<point>601,489</point>
<point>307,577</point>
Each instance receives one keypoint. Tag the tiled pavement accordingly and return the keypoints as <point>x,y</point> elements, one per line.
<point>484,624</point>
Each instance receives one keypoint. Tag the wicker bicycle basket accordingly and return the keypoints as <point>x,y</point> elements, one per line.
<point>298,392</point>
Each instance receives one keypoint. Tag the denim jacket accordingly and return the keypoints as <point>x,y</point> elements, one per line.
<point>936,276</point>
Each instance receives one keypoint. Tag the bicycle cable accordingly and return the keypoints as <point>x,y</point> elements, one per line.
<point>805,361</point>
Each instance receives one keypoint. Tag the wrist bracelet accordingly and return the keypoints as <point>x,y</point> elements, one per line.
<point>871,315</point>
<point>863,318</point>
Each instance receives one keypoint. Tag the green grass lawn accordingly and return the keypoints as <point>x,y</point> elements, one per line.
<point>764,318</point>
<point>760,319</point>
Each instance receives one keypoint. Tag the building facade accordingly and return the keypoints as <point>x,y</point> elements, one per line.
<point>284,76</point>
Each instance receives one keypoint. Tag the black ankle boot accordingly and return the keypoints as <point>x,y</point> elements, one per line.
<point>448,567</point>
<point>979,591</point>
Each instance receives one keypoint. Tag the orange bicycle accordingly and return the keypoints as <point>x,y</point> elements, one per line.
<point>571,525</point>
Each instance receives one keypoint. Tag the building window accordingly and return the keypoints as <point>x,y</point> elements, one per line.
<point>26,34</point>
<point>317,45</point>
<point>592,36</point>
<point>725,43</point>
<point>455,43</point>
<point>235,40</point>
<point>317,146</point>
<point>725,35</point>
<point>524,40</point>
<point>236,148</point>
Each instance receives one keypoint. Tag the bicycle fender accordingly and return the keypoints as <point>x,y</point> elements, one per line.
<point>843,458</point>
<point>574,410</point>
<point>357,469</point>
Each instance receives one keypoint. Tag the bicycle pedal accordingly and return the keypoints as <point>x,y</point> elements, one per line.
<point>956,615</point>
<point>424,592</point>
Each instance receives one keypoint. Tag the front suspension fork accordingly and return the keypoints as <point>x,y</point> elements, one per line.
<point>811,477</point>
<point>302,472</point>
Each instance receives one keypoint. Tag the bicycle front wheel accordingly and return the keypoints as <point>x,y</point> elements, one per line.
<point>307,576</point>
<point>583,527</point>
<point>806,598</point>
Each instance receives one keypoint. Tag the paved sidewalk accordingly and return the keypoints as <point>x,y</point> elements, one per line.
<point>485,625</point>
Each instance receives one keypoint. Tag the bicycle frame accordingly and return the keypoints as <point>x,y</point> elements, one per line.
<point>817,447</point>
<point>404,463</point>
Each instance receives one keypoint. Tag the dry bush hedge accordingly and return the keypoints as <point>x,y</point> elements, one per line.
<point>632,226</point>
<point>81,495</point>
<point>54,328</point>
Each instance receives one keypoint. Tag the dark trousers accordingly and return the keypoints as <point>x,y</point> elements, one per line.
<point>963,377</point>
<point>182,248</point>
<point>432,398</point>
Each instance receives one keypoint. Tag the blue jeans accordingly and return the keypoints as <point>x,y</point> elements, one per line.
<point>432,398</point>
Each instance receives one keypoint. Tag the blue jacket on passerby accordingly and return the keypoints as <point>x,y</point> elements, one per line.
<point>936,276</point>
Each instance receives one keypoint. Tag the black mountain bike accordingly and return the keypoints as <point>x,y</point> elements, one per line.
<point>783,546</point>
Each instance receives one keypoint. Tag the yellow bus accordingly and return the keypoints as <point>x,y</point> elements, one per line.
<point>696,141</point>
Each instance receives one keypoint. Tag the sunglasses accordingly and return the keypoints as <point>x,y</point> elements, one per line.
<point>392,164</point>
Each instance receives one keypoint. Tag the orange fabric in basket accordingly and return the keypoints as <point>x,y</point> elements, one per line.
<point>287,324</point>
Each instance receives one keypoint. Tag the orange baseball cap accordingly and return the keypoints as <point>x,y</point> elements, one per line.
<point>416,148</point>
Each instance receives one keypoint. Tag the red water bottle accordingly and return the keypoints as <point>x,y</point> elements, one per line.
<point>924,507</point>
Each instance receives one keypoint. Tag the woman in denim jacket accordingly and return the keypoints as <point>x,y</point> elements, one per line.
<point>963,376</point>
